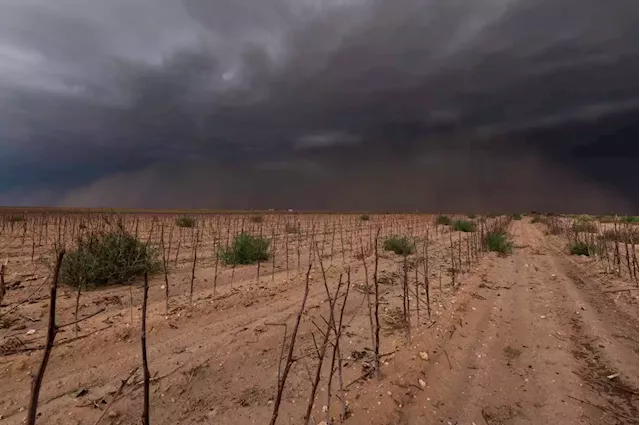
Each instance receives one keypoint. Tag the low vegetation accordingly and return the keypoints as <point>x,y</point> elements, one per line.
<point>498,241</point>
<point>185,221</point>
<point>399,245</point>
<point>629,219</point>
<point>444,220</point>
<point>365,217</point>
<point>580,248</point>
<point>256,219</point>
<point>516,216</point>
<point>584,225</point>
<point>108,258</point>
<point>246,249</point>
<point>464,226</point>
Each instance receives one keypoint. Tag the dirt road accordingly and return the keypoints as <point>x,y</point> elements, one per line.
<point>523,339</point>
<point>531,342</point>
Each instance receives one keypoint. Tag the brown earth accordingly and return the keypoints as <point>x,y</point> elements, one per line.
<point>536,337</point>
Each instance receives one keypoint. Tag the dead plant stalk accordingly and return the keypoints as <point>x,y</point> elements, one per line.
<point>52,330</point>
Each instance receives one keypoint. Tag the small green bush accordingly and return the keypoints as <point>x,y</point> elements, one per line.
<point>246,249</point>
<point>444,220</point>
<point>15,218</point>
<point>471,216</point>
<point>107,257</point>
<point>399,245</point>
<point>498,242</point>
<point>464,226</point>
<point>537,219</point>
<point>256,218</point>
<point>579,248</point>
<point>185,221</point>
<point>365,217</point>
<point>516,216</point>
<point>629,219</point>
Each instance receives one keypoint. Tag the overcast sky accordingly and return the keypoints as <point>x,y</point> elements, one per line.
<point>323,104</point>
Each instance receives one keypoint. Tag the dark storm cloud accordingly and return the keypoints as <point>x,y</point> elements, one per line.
<point>217,103</point>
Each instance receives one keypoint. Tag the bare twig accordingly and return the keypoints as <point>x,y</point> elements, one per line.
<point>326,334</point>
<point>284,343</point>
<point>612,291</point>
<point>448,360</point>
<point>3,287</point>
<point>337,330</point>
<point>143,340</point>
<point>368,293</point>
<point>603,408</point>
<point>193,266</point>
<point>405,299</point>
<point>52,330</point>
<point>377,308</point>
<point>77,308</point>
<point>165,265</point>
<point>82,319</point>
<point>123,384</point>
<point>27,299</point>
<point>289,362</point>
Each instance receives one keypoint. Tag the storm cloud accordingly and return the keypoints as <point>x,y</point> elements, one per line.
<point>334,104</point>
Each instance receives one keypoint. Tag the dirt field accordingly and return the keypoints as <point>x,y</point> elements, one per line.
<point>535,337</point>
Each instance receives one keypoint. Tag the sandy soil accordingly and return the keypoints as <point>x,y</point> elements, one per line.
<point>530,338</point>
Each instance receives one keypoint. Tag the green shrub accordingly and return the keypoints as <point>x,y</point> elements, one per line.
<point>185,221</point>
<point>629,219</point>
<point>498,242</point>
<point>246,249</point>
<point>471,216</point>
<point>464,226</point>
<point>516,216</point>
<point>579,248</point>
<point>256,218</point>
<point>537,219</point>
<point>108,257</point>
<point>444,220</point>
<point>365,217</point>
<point>399,245</point>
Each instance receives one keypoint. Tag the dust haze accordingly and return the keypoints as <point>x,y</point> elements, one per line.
<point>331,105</point>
